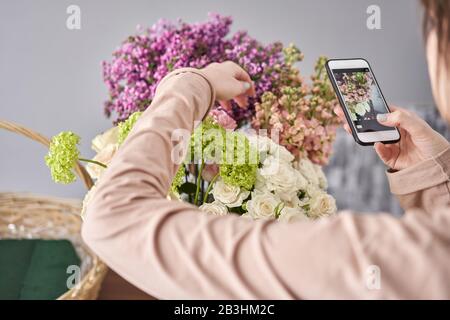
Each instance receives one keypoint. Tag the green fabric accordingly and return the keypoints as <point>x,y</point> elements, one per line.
<point>35,269</point>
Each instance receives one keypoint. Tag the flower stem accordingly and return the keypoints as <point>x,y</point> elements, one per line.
<point>199,177</point>
<point>211,183</point>
<point>93,161</point>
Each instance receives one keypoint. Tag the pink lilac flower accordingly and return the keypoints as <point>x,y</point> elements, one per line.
<point>139,64</point>
<point>302,116</point>
<point>222,118</point>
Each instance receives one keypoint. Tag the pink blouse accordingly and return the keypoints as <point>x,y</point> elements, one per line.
<point>172,250</point>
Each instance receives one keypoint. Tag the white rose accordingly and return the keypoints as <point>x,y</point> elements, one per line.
<point>281,153</point>
<point>323,182</point>
<point>282,178</point>
<point>311,190</point>
<point>295,202</point>
<point>290,214</point>
<point>215,208</point>
<point>260,143</point>
<point>308,170</point>
<point>104,156</point>
<point>321,204</point>
<point>101,141</point>
<point>260,183</point>
<point>262,205</point>
<point>231,196</point>
<point>267,147</point>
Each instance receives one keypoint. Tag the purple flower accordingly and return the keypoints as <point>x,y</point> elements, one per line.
<point>142,60</point>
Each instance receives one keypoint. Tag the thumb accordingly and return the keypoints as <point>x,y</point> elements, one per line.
<point>242,87</point>
<point>402,119</point>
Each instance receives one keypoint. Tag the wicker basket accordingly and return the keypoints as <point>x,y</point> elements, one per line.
<point>27,216</point>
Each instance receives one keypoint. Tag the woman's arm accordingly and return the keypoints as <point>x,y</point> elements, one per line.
<point>172,250</point>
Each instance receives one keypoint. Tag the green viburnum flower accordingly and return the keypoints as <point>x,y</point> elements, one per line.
<point>237,159</point>
<point>62,156</point>
<point>178,179</point>
<point>239,175</point>
<point>206,142</point>
<point>239,162</point>
<point>126,126</point>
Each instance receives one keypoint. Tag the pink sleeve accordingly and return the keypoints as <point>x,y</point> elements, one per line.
<point>425,185</point>
<point>172,250</point>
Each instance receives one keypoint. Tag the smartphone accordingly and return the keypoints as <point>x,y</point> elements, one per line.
<point>361,99</point>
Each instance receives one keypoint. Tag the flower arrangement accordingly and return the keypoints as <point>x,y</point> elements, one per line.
<point>355,88</point>
<point>228,167</point>
<point>268,183</point>
<point>142,60</point>
<point>225,171</point>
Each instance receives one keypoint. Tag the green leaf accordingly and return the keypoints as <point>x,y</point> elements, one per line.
<point>301,194</point>
<point>238,210</point>
<point>188,188</point>
<point>278,209</point>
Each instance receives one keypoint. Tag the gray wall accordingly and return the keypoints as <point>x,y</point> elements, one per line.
<point>51,76</point>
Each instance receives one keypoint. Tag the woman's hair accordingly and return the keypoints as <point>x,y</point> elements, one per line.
<point>437,19</point>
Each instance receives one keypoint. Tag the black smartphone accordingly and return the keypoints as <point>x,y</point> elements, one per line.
<point>361,99</point>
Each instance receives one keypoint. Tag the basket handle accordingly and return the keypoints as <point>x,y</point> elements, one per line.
<point>13,127</point>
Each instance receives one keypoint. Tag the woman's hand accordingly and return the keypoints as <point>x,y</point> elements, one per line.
<point>230,81</point>
<point>418,140</point>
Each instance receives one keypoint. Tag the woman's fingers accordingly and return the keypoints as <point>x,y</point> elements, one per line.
<point>241,100</point>
<point>347,128</point>
<point>246,83</point>
<point>242,84</point>
<point>403,119</point>
<point>244,87</point>
<point>388,153</point>
<point>226,104</point>
<point>340,113</point>
<point>384,152</point>
<point>394,108</point>
<point>230,82</point>
<point>238,72</point>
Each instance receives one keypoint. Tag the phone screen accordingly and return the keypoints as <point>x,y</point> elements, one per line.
<point>362,97</point>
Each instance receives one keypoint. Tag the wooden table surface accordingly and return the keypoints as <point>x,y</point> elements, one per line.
<point>114,287</point>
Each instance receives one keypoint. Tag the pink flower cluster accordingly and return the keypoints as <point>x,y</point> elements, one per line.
<point>303,117</point>
<point>222,118</point>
